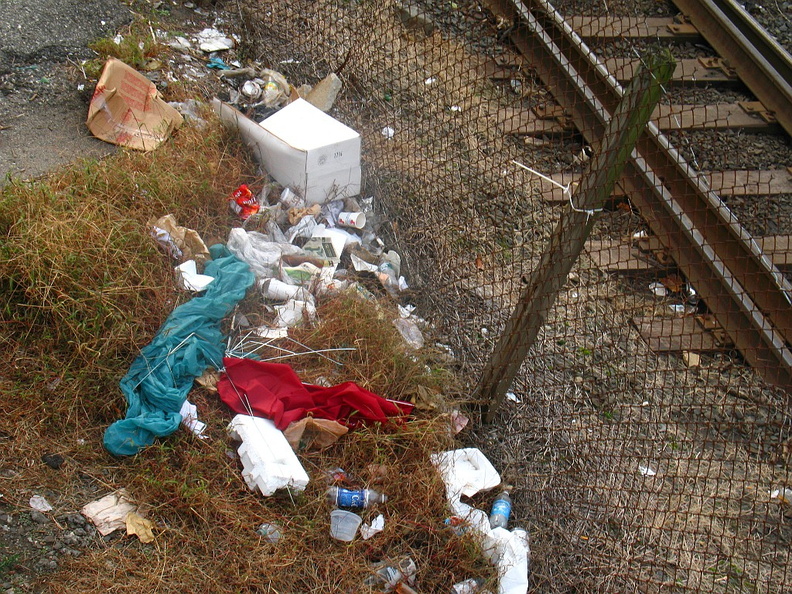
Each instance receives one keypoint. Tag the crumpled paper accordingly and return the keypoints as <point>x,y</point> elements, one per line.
<point>109,513</point>
<point>369,530</point>
<point>180,242</point>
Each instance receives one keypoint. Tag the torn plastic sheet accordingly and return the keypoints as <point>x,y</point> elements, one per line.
<point>466,472</point>
<point>254,248</point>
<point>189,341</point>
<point>294,312</point>
<point>211,40</point>
<point>410,332</point>
<point>40,504</point>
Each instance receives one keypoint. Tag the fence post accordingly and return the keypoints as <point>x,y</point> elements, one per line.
<point>604,169</point>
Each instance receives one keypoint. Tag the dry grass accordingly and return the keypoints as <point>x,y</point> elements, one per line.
<point>85,286</point>
<point>206,521</point>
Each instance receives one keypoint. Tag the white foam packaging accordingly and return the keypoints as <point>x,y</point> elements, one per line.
<point>268,461</point>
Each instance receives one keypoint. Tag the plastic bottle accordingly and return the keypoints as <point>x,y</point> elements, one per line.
<point>393,575</point>
<point>501,510</point>
<point>355,498</point>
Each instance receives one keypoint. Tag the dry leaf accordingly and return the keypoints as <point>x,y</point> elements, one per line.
<point>691,359</point>
<point>424,398</point>
<point>209,379</point>
<point>313,434</point>
<point>625,206</point>
<point>673,283</point>
<point>479,263</point>
<point>297,214</point>
<point>139,526</point>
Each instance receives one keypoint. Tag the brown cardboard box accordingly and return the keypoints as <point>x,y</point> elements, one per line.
<point>126,109</point>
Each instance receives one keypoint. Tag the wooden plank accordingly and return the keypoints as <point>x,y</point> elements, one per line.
<point>521,121</point>
<point>669,335</point>
<point>689,71</point>
<point>738,182</point>
<point>504,67</point>
<point>779,248</point>
<point>769,182</point>
<point>619,256</point>
<point>627,255</point>
<point>631,27</point>
<point>723,116</point>
<point>552,194</point>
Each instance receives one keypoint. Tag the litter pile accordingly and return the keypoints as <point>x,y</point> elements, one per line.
<point>304,235</point>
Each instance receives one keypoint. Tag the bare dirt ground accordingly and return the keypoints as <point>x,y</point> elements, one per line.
<point>42,94</point>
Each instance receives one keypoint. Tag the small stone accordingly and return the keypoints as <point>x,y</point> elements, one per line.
<point>6,519</point>
<point>325,92</point>
<point>54,461</point>
<point>38,517</point>
<point>415,18</point>
<point>57,546</point>
<point>70,538</point>
<point>79,532</point>
<point>49,539</point>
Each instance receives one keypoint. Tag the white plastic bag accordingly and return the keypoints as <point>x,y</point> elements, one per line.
<point>263,256</point>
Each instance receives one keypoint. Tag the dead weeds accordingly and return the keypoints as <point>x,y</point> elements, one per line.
<point>85,287</point>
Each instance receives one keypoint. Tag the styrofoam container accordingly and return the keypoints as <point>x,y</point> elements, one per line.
<point>268,461</point>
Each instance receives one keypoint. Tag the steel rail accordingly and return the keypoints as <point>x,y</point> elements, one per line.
<point>745,292</point>
<point>761,63</point>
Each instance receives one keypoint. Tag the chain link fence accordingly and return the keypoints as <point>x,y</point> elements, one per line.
<point>646,454</point>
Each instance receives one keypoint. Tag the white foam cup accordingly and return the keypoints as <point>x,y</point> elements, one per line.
<point>272,288</point>
<point>356,220</point>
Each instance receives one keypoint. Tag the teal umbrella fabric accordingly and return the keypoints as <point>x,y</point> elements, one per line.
<point>189,341</point>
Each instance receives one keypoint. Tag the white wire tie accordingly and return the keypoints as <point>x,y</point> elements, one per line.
<point>566,189</point>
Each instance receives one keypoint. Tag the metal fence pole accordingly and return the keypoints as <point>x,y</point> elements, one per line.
<point>574,226</point>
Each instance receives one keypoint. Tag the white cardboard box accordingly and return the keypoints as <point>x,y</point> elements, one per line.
<point>311,152</point>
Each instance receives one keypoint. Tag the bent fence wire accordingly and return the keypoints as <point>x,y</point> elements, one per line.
<point>643,448</point>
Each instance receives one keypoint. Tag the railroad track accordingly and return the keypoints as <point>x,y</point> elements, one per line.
<point>734,273</point>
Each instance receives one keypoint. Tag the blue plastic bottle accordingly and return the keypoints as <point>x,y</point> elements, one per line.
<point>501,510</point>
<point>354,498</point>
